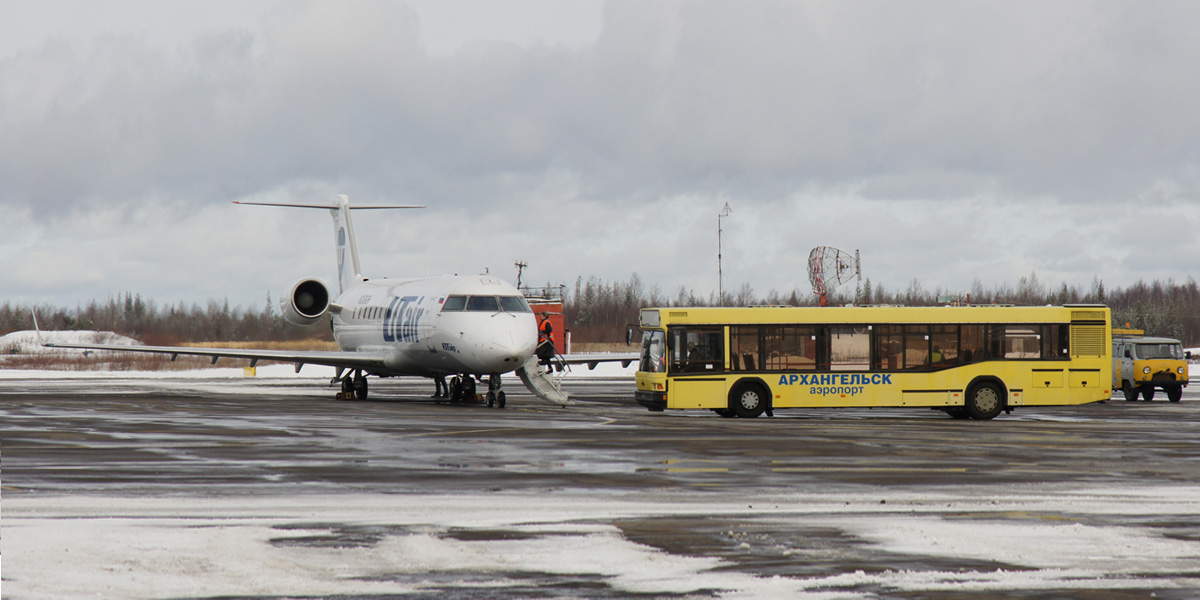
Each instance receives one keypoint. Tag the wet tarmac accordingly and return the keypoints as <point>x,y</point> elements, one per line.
<point>414,498</point>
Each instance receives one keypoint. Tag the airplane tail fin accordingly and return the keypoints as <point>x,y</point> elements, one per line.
<point>349,271</point>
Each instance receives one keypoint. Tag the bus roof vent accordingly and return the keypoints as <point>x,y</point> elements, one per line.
<point>1087,315</point>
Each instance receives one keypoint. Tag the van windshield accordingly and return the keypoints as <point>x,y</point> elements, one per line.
<point>1153,351</point>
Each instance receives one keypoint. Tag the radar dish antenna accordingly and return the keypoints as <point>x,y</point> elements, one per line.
<point>829,268</point>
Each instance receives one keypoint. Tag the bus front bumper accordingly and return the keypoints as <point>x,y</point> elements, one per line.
<point>655,401</point>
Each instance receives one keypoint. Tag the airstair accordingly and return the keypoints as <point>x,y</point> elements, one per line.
<point>543,385</point>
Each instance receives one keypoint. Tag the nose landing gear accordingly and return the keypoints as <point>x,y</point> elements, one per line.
<point>495,396</point>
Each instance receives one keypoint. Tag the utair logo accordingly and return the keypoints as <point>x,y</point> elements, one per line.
<point>839,384</point>
<point>401,319</point>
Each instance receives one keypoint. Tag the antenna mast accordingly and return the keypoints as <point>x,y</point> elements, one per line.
<point>720,278</point>
<point>520,264</point>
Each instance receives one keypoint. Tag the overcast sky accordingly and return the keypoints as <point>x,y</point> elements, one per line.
<point>948,141</point>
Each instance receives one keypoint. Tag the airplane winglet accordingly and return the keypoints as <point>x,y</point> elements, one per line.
<point>37,331</point>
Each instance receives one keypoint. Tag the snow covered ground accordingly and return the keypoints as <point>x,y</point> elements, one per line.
<point>246,546</point>
<point>26,342</point>
<point>1043,536</point>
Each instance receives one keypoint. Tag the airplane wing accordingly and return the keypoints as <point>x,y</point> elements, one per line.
<point>338,359</point>
<point>593,359</point>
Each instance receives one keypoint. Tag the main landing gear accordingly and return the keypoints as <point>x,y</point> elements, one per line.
<point>462,389</point>
<point>353,388</point>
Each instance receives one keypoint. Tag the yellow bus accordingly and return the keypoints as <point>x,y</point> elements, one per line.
<point>971,362</point>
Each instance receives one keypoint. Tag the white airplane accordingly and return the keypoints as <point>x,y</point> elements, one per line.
<point>465,327</point>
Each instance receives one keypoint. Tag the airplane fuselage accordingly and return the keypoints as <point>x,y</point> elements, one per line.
<point>433,326</point>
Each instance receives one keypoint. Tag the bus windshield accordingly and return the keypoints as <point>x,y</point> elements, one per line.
<point>654,351</point>
<point>1152,351</point>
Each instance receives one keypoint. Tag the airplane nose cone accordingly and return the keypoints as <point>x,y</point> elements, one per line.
<point>503,342</point>
<point>505,351</point>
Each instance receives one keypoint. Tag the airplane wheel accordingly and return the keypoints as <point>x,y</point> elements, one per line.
<point>468,391</point>
<point>360,388</point>
<point>456,391</point>
<point>347,389</point>
<point>491,399</point>
<point>500,399</point>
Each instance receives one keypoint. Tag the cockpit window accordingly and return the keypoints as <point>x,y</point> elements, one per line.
<point>454,303</point>
<point>515,304</point>
<point>483,304</point>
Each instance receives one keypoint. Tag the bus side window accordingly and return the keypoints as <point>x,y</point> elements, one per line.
<point>945,346</point>
<point>849,347</point>
<point>972,345</point>
<point>743,344</point>
<point>698,349</point>
<point>889,347</point>
<point>1055,343</point>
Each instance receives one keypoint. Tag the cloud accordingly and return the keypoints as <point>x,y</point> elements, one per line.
<point>889,122</point>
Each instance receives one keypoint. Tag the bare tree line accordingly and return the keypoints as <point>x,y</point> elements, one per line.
<point>130,315</point>
<point>600,311</point>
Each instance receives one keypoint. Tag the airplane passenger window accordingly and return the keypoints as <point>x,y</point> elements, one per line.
<point>454,303</point>
<point>514,304</point>
<point>483,304</point>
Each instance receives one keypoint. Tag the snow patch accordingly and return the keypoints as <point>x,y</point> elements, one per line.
<point>26,342</point>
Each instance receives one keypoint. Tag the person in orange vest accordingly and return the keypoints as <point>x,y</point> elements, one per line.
<point>545,348</point>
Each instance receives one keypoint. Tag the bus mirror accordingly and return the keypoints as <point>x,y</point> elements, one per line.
<point>1188,355</point>
<point>628,336</point>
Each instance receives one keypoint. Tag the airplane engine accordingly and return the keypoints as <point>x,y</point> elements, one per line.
<point>306,303</point>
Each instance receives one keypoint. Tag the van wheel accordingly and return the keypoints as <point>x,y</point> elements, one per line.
<point>1147,392</point>
<point>747,400</point>
<point>1175,393</point>
<point>984,402</point>
<point>1131,394</point>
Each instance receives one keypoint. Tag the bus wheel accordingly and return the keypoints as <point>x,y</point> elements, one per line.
<point>1147,392</point>
<point>958,412</point>
<point>748,400</point>
<point>983,402</point>
<point>1130,393</point>
<point>1174,393</point>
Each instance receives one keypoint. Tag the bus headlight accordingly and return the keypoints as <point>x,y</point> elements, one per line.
<point>1146,370</point>
<point>1179,370</point>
